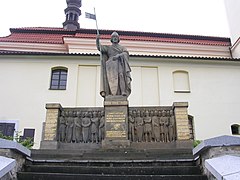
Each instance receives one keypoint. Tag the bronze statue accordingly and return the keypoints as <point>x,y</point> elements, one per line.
<point>115,69</point>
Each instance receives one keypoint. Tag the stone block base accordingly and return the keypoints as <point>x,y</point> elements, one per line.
<point>162,145</point>
<point>78,146</point>
<point>49,145</point>
<point>115,144</point>
<point>184,144</point>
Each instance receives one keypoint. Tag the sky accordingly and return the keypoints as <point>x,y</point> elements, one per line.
<point>191,17</point>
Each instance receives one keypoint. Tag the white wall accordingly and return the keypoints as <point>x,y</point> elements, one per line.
<point>25,90</point>
<point>145,86</point>
<point>214,99</point>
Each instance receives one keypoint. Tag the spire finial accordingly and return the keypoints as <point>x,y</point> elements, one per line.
<point>72,14</point>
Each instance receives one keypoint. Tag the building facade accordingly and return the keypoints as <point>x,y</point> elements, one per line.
<point>62,65</point>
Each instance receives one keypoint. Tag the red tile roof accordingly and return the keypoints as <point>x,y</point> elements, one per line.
<point>34,38</point>
<point>55,36</point>
<point>160,39</point>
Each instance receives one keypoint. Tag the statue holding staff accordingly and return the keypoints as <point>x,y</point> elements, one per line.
<point>115,69</point>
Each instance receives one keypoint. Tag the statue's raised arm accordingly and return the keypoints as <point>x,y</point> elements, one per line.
<point>98,42</point>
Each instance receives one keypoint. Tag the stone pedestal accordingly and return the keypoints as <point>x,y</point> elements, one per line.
<point>49,140</point>
<point>116,122</point>
<point>182,123</point>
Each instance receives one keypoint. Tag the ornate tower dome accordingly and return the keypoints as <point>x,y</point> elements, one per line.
<point>72,14</point>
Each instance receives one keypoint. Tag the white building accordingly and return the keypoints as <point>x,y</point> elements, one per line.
<point>61,65</point>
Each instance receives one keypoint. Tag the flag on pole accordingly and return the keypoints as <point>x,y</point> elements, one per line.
<point>90,16</point>
<point>94,17</point>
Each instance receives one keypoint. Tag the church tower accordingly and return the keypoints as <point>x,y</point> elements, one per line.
<point>72,14</point>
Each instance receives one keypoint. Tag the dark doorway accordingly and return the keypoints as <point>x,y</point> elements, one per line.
<point>235,129</point>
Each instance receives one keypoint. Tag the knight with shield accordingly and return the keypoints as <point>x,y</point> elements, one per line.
<point>115,69</point>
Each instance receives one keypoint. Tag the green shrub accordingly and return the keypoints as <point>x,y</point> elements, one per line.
<point>5,137</point>
<point>28,142</point>
<point>196,142</point>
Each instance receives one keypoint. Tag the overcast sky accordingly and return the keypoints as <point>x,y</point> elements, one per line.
<point>195,17</point>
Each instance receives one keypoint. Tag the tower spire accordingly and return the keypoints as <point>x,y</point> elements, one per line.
<point>72,14</point>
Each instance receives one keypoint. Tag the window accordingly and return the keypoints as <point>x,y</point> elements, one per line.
<point>58,79</point>
<point>235,129</point>
<point>28,133</point>
<point>7,129</point>
<point>181,81</point>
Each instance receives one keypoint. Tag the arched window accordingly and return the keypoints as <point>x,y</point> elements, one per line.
<point>181,81</point>
<point>59,78</point>
<point>71,17</point>
<point>235,129</point>
<point>75,17</point>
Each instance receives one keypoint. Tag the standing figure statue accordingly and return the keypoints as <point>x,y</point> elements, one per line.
<point>161,125</point>
<point>86,123</point>
<point>164,122</point>
<point>94,127</point>
<point>62,128</point>
<point>78,127</point>
<point>115,69</point>
<point>139,126</point>
<point>172,131</point>
<point>131,125</point>
<point>167,139</point>
<point>74,116</point>
<point>69,127</point>
<point>156,126</point>
<point>147,127</point>
<point>101,126</point>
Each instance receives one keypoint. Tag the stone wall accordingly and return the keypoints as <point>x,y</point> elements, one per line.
<point>214,148</point>
<point>19,158</point>
<point>160,124</point>
<point>14,150</point>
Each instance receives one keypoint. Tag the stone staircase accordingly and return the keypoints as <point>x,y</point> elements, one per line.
<point>164,164</point>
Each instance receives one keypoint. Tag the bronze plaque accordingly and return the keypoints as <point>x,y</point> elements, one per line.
<point>116,124</point>
<point>116,134</point>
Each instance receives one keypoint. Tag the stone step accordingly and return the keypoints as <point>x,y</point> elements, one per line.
<point>126,170</point>
<point>62,176</point>
<point>140,164</point>
<point>113,163</point>
<point>126,154</point>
